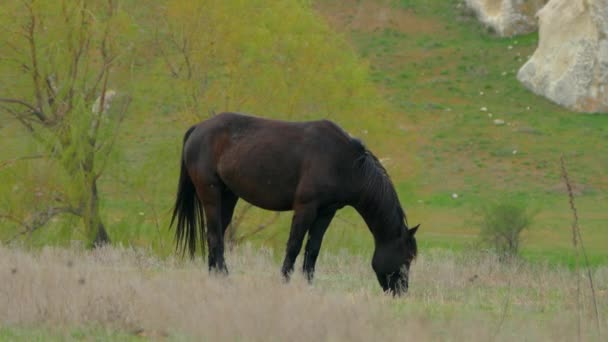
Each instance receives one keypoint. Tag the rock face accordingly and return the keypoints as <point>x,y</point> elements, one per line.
<point>507,17</point>
<point>570,65</point>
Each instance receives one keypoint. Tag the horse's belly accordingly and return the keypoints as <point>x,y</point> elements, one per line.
<point>266,198</point>
<point>264,187</point>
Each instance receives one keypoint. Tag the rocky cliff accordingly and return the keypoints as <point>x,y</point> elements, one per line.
<point>507,17</point>
<point>570,65</point>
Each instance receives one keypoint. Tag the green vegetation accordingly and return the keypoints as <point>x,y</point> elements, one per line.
<point>182,61</point>
<point>56,86</point>
<point>67,333</point>
<point>451,79</point>
<point>419,80</point>
<point>502,224</point>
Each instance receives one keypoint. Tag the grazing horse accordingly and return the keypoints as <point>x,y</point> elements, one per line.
<point>313,168</point>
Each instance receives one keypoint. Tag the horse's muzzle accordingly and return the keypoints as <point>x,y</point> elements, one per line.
<point>395,283</point>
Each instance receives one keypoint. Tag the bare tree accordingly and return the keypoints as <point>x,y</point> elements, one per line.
<point>64,54</point>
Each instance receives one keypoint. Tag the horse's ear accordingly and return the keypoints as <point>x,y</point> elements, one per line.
<point>414,230</point>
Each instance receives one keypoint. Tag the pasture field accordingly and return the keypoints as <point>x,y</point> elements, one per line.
<point>127,294</point>
<point>451,78</point>
<point>441,78</point>
<point>438,80</point>
<point>447,79</point>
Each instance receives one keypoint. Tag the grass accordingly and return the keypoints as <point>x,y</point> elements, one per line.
<point>449,79</point>
<point>438,68</point>
<point>67,334</point>
<point>127,294</point>
<point>443,75</point>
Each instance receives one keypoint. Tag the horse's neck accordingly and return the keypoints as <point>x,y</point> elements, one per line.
<point>383,222</point>
<point>376,200</point>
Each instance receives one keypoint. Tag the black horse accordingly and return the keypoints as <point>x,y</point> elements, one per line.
<point>313,168</point>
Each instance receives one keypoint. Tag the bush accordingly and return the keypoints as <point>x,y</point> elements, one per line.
<point>501,226</point>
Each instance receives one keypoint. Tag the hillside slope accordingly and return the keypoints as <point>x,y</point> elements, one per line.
<point>420,81</point>
<point>450,80</point>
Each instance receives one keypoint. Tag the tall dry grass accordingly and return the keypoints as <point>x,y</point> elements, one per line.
<point>452,297</point>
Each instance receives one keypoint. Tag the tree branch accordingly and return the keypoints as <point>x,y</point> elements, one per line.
<point>6,163</point>
<point>38,220</point>
<point>51,89</point>
<point>105,74</point>
<point>114,136</point>
<point>15,220</point>
<point>35,111</point>
<point>31,38</point>
<point>77,54</point>
<point>19,117</point>
<point>172,69</point>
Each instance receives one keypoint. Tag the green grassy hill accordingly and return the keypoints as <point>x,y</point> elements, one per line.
<point>419,80</point>
<point>450,79</point>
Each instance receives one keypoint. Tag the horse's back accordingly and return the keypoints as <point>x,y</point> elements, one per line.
<point>270,162</point>
<point>235,128</point>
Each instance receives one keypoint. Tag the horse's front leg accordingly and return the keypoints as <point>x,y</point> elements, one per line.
<point>303,217</point>
<point>313,245</point>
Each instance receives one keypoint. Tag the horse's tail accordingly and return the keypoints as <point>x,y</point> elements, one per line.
<point>188,211</point>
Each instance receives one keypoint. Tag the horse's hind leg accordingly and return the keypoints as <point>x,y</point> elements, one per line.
<point>229,200</point>
<point>313,245</point>
<point>303,218</point>
<point>211,197</point>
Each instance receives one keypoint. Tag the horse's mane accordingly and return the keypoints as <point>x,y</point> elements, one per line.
<point>378,191</point>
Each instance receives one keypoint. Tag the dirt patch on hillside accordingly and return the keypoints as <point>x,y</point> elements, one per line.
<point>369,16</point>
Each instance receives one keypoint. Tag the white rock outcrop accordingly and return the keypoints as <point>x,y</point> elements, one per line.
<point>570,65</point>
<point>507,17</point>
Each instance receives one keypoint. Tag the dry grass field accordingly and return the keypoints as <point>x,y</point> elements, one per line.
<point>122,293</point>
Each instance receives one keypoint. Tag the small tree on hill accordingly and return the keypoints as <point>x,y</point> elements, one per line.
<point>501,226</point>
<point>58,60</point>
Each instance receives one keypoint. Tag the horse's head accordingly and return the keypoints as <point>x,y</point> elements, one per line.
<point>392,260</point>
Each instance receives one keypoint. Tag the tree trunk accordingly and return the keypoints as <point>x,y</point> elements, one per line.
<point>92,219</point>
<point>101,238</point>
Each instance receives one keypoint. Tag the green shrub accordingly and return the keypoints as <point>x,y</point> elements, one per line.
<point>501,226</point>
